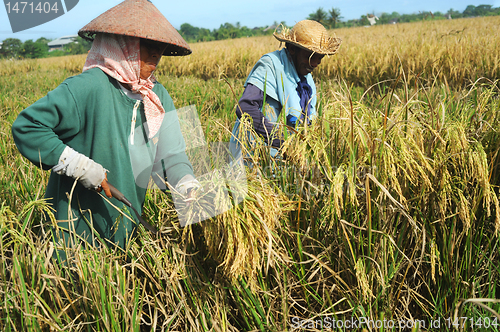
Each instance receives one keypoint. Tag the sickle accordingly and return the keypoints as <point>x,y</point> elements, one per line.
<point>119,196</point>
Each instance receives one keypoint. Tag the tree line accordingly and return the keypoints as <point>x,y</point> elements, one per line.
<point>15,48</point>
<point>332,18</point>
<point>225,31</point>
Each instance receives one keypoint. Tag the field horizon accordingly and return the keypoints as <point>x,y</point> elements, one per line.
<point>385,215</point>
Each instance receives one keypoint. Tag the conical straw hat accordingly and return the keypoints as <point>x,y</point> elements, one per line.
<point>309,35</point>
<point>137,18</point>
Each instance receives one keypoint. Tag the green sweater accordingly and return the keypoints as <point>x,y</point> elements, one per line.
<point>91,114</point>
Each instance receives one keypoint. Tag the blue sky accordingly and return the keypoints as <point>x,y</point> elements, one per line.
<point>211,14</point>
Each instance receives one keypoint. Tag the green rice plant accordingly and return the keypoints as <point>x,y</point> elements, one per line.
<point>402,197</point>
<point>385,208</point>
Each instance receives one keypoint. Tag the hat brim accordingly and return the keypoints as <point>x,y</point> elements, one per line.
<point>330,47</point>
<point>171,50</point>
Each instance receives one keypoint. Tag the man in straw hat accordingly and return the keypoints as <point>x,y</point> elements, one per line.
<point>281,81</point>
<point>112,122</point>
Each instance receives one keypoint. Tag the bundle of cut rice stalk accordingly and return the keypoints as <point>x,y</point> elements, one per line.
<point>239,218</point>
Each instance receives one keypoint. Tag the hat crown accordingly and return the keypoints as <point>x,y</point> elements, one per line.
<point>310,35</point>
<point>137,18</point>
<point>309,32</point>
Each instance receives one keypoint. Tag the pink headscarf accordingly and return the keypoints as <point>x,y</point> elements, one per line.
<point>119,57</point>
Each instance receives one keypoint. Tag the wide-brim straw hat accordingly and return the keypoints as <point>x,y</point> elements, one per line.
<point>309,35</point>
<point>137,18</point>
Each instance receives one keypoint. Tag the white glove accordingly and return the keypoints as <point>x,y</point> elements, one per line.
<point>76,165</point>
<point>186,183</point>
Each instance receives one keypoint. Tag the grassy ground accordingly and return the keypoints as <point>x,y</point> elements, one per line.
<point>384,215</point>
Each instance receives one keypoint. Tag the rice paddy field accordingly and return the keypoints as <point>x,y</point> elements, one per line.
<point>384,215</point>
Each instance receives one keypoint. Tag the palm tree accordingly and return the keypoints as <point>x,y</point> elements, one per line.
<point>319,16</point>
<point>334,17</point>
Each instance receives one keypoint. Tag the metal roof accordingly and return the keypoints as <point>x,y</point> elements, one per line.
<point>63,40</point>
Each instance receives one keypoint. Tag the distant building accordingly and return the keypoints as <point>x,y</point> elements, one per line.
<point>59,43</point>
<point>271,27</point>
<point>393,21</point>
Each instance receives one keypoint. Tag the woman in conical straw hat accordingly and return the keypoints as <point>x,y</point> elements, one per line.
<point>113,122</point>
<point>285,77</point>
